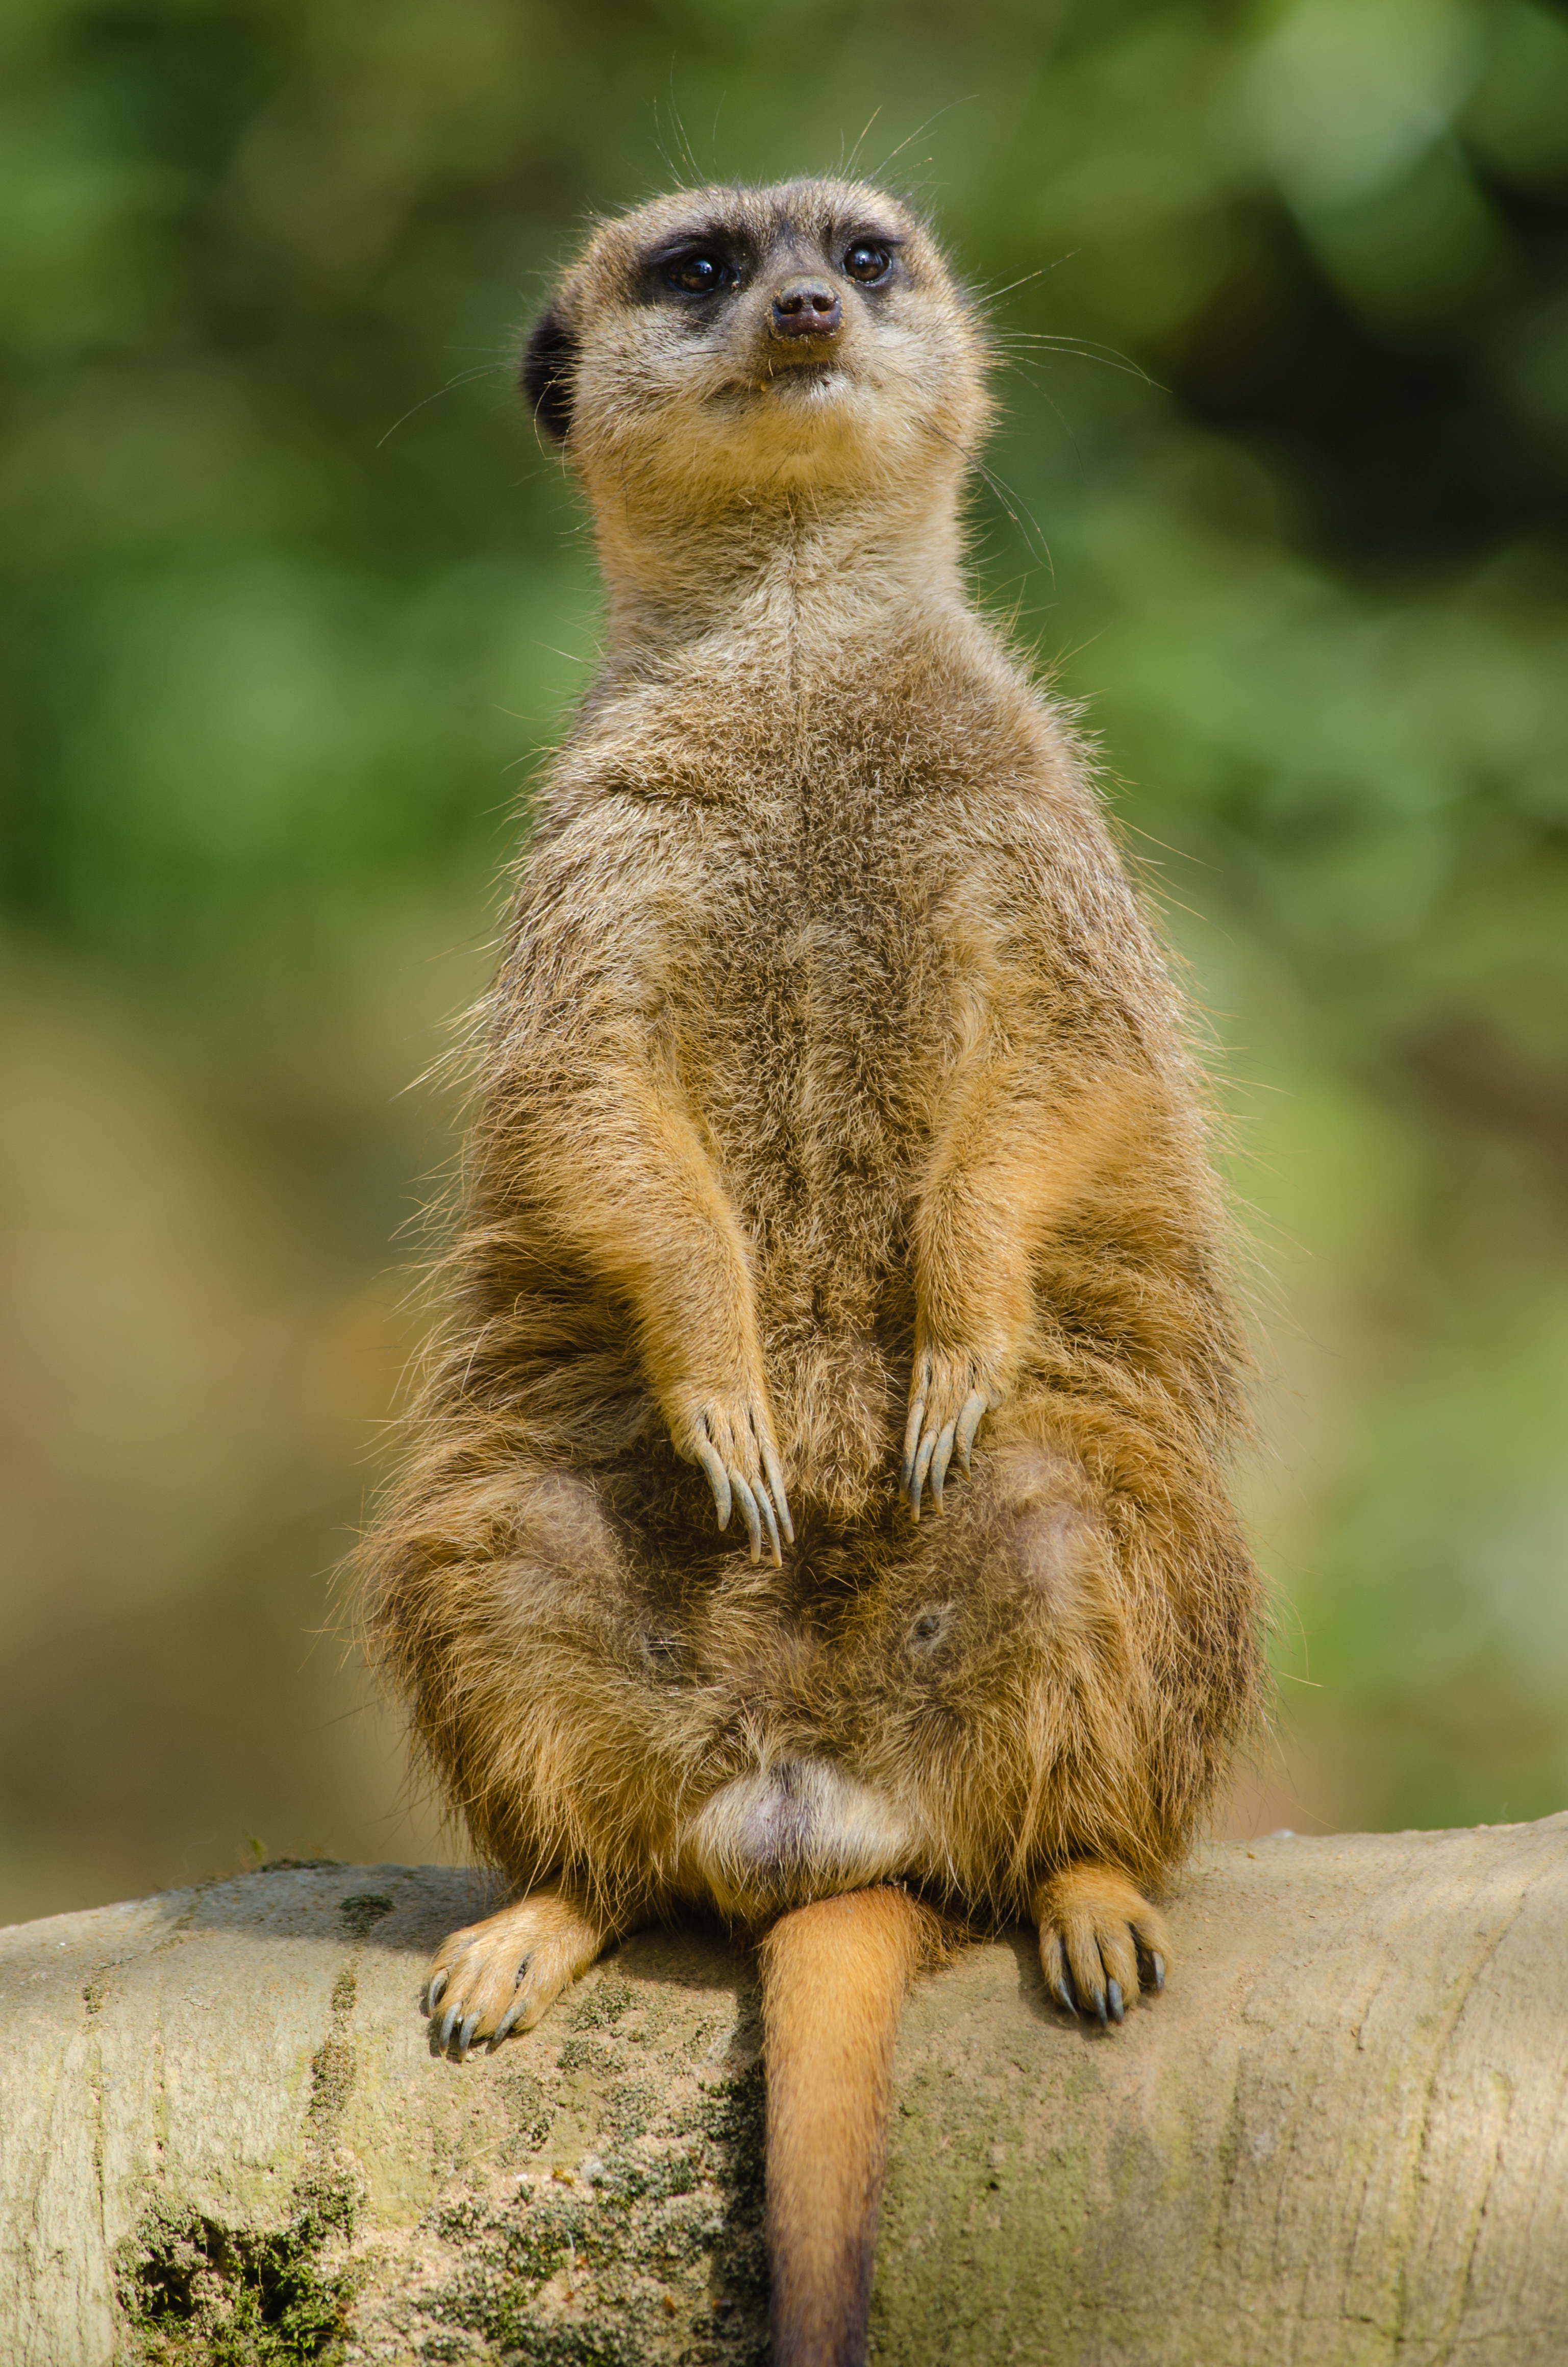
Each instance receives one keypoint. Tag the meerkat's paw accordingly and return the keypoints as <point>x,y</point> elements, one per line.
<point>950,1397</point>
<point>503,1973</point>
<point>1099,1940</point>
<point>730,1433</point>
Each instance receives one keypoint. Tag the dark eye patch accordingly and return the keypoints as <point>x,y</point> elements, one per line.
<point>865,254</point>
<point>694,269</point>
<point>870,261</point>
<point>701,274</point>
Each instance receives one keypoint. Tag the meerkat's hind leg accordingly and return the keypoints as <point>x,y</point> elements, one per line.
<point>503,1974</point>
<point>1100,1940</point>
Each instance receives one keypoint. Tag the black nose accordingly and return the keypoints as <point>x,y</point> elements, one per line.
<point>806,307</point>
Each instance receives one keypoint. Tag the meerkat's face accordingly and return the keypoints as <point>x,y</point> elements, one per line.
<point>725,342</point>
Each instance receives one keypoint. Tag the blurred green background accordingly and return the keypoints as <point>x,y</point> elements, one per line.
<point>292,598</point>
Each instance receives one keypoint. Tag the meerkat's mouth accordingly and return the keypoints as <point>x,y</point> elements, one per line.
<point>781,362</point>
<point>814,388</point>
<point>794,392</point>
<point>805,386</point>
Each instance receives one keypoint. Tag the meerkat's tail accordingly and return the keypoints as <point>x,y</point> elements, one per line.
<point>834,1977</point>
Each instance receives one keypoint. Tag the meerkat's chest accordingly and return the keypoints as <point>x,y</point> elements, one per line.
<point>822,985</point>
<point>834,934</point>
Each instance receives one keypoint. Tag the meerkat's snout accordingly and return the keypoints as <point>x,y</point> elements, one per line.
<point>807,313</point>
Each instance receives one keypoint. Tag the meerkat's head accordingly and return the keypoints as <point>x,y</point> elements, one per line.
<point>723,347</point>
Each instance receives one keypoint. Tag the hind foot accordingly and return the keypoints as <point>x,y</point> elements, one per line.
<point>503,1973</point>
<point>1099,1940</point>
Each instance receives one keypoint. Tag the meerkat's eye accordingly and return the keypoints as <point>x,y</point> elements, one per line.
<point>868,261</point>
<point>701,274</point>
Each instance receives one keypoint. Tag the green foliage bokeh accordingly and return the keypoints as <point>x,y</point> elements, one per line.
<point>1280,298</point>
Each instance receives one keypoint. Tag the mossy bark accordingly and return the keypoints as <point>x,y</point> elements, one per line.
<point>1342,2136</point>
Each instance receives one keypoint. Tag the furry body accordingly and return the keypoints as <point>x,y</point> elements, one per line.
<point>832,1088</point>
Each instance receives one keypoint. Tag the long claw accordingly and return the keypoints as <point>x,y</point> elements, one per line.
<point>465,2037</point>
<point>433,1994</point>
<point>717,1479</point>
<point>1097,2000</point>
<point>1159,1963</point>
<point>1113,1999</point>
<point>911,1442</point>
<point>753,1518</point>
<point>765,1506</point>
<point>939,1461</point>
<point>518,2007</point>
<point>1064,1996</point>
<point>922,1466</point>
<point>448,2023</point>
<point>776,1481</point>
<point>969,1422</point>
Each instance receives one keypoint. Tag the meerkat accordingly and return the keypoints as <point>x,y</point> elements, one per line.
<point>817,1511</point>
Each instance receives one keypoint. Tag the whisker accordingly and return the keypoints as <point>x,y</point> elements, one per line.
<point>464,377</point>
<point>1081,349</point>
<point>1004,493</point>
<point>920,131</point>
<point>1008,286</point>
<point>680,128</point>
<point>849,162</point>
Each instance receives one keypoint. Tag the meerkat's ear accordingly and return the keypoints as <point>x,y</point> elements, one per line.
<point>550,359</point>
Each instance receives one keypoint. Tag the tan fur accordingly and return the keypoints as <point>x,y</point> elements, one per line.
<point>832,1082</point>
<point>834,1977</point>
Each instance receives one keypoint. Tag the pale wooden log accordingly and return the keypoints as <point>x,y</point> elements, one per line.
<point>1340,2138</point>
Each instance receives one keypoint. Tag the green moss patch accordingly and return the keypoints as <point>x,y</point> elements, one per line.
<point>361,1913</point>
<point>195,2291</point>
